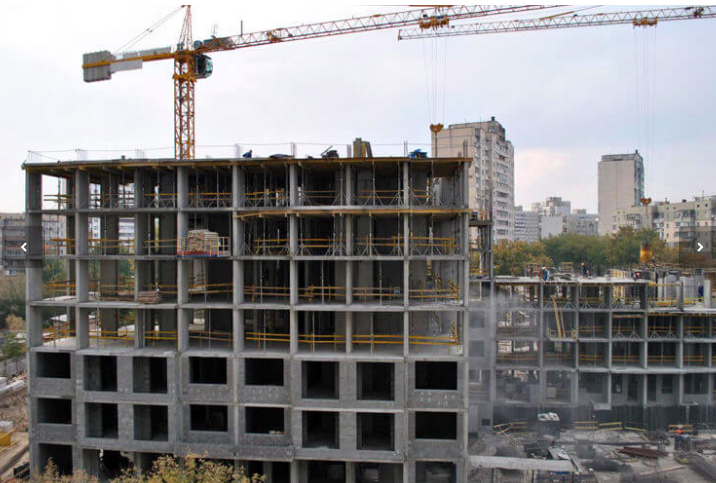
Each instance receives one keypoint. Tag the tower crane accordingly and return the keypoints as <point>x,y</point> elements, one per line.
<point>191,60</point>
<point>637,18</point>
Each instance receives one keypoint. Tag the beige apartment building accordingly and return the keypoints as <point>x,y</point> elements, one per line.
<point>676,223</point>
<point>621,186</point>
<point>492,173</point>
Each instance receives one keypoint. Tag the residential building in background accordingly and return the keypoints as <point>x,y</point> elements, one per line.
<point>492,174</point>
<point>527,225</point>
<point>678,224</point>
<point>13,237</point>
<point>621,186</point>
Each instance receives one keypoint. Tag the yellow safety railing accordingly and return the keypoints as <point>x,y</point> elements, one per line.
<point>58,332</point>
<point>625,359</point>
<point>270,246</point>
<point>210,200</point>
<point>266,198</point>
<point>103,246</point>
<point>207,337</point>
<point>661,330</point>
<point>635,426</point>
<point>124,290</point>
<point>695,330</point>
<point>367,339</point>
<point>317,197</point>
<point>379,197</point>
<point>429,245</point>
<point>259,291</point>
<point>559,357</point>
<point>377,293</point>
<point>59,288</point>
<point>154,336</point>
<point>511,427</point>
<point>112,335</point>
<point>611,426</point>
<point>586,425</point>
<point>322,293</point>
<point>111,200</point>
<point>591,329</point>
<point>590,302</point>
<point>63,201</point>
<point>694,359</point>
<point>651,359</point>
<point>157,245</point>
<point>517,358</point>
<point>321,246</point>
<point>60,246</point>
<point>160,200</point>
<point>371,245</point>
<point>477,272</point>
<point>202,288</point>
<point>592,358</point>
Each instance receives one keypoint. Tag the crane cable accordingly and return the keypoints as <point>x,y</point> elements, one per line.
<point>134,40</point>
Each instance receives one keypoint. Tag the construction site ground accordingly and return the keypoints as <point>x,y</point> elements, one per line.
<point>13,407</point>
<point>630,469</point>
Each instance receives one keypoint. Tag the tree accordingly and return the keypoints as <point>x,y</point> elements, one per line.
<point>12,297</point>
<point>167,469</point>
<point>511,258</point>
<point>12,346</point>
<point>577,249</point>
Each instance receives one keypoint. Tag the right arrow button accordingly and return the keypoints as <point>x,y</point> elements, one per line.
<point>701,247</point>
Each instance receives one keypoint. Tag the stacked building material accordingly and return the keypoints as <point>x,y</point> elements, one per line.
<point>200,242</point>
<point>149,297</point>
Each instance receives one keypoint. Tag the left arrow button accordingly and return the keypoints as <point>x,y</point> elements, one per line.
<point>24,247</point>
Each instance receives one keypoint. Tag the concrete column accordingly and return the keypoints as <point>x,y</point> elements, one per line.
<point>406,334</point>
<point>238,330</point>
<point>349,332</point>
<point>406,184</point>
<point>465,198</point>
<point>293,184</point>
<point>140,323</point>
<point>406,260</point>
<point>609,389</point>
<point>81,328</point>
<point>294,471</point>
<point>349,186</point>
<point>183,320</point>
<point>350,472</point>
<point>293,326</point>
<point>465,276</point>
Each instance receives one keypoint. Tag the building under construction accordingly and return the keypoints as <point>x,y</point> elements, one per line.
<point>302,318</point>
<point>639,351</point>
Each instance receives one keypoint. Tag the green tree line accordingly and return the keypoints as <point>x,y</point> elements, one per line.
<point>618,250</point>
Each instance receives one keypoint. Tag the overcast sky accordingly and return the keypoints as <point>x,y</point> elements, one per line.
<point>565,97</point>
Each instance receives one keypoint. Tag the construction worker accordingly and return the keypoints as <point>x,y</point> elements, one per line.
<point>545,274</point>
<point>248,154</point>
<point>585,272</point>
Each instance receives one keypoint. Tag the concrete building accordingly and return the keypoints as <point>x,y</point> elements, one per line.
<point>320,337</point>
<point>554,206</point>
<point>527,225</point>
<point>593,349</point>
<point>12,232</point>
<point>492,176</point>
<point>621,185</point>
<point>678,224</point>
<point>578,222</point>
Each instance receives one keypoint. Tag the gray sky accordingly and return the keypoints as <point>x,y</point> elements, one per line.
<point>565,97</point>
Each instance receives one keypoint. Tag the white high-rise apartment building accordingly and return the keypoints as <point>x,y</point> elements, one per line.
<point>621,185</point>
<point>492,174</point>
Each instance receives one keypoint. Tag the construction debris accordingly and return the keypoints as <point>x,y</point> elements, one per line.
<point>149,297</point>
<point>642,452</point>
